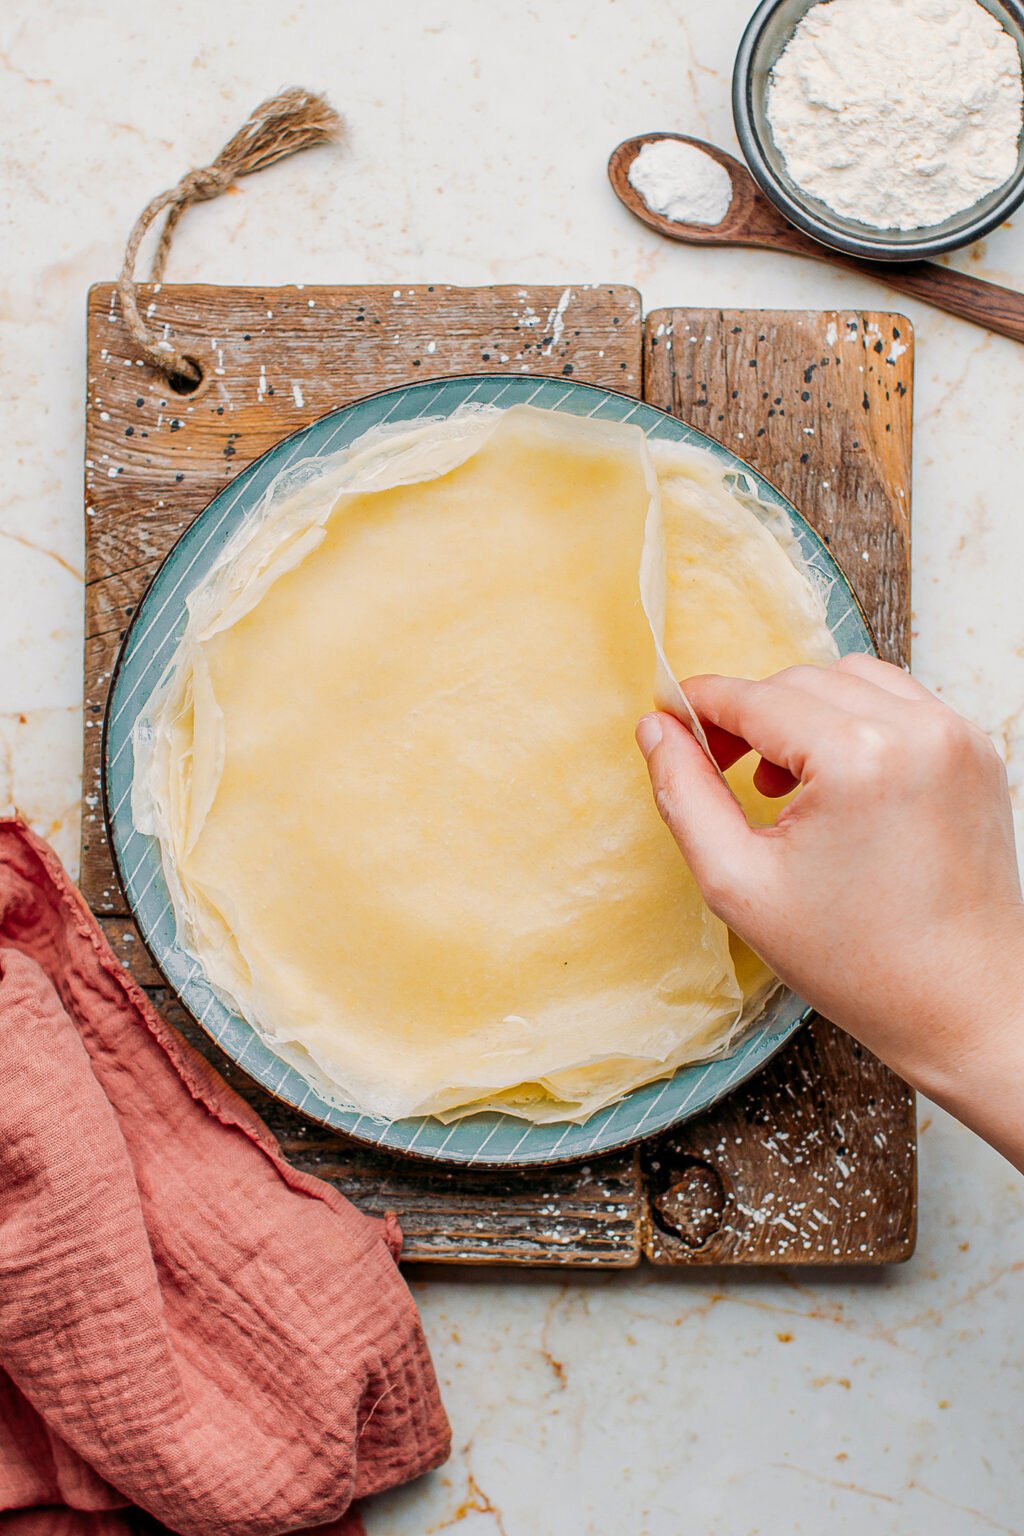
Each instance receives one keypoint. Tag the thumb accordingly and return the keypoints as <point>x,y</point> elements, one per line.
<point>702,814</point>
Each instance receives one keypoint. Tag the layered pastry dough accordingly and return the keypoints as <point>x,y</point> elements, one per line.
<point>402,818</point>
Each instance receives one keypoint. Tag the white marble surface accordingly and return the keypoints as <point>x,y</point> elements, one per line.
<point>642,1403</point>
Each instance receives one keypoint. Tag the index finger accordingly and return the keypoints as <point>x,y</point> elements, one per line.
<point>782,724</point>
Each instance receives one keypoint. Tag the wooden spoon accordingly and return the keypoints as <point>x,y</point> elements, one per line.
<point>753,220</point>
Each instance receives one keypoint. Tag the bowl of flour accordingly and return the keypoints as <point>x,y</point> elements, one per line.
<point>890,129</point>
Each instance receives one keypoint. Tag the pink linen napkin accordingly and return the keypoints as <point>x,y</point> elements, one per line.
<point>188,1325</point>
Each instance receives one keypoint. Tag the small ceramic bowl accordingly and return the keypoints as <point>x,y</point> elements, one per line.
<point>768,31</point>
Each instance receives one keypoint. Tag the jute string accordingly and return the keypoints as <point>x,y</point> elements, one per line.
<point>280,126</point>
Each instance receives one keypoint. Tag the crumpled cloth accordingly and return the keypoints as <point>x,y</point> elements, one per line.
<point>189,1326</point>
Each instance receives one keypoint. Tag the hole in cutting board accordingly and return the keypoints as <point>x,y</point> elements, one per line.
<point>688,1196</point>
<point>182,384</point>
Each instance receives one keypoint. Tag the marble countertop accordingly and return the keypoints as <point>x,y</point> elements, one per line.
<point>647,1403</point>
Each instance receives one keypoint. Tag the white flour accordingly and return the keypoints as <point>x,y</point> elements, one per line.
<point>681,182</point>
<point>897,113</point>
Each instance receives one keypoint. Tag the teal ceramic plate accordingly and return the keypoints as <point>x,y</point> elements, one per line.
<point>486,1139</point>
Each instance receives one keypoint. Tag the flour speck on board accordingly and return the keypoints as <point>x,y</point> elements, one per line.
<point>556,322</point>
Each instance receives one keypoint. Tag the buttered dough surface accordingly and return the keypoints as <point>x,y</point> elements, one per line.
<point>405,826</point>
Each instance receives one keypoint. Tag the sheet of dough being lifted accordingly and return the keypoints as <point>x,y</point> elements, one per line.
<point>404,824</point>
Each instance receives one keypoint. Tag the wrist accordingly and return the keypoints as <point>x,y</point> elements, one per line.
<point>970,1056</point>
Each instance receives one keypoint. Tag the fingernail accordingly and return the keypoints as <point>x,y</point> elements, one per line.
<point>648,734</point>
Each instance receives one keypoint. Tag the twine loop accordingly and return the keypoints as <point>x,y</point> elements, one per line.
<point>282,125</point>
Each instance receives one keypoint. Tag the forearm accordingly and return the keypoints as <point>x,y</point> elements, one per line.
<point>981,1079</point>
<point>987,1094</point>
<point>965,1045</point>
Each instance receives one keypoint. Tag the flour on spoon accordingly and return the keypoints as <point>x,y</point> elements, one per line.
<point>681,182</point>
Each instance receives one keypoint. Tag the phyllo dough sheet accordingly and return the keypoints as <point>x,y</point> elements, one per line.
<point>405,827</point>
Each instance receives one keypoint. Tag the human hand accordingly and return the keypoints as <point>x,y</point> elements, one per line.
<point>887,893</point>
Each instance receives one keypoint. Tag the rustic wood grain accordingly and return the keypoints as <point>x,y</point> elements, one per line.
<point>126,942</point>
<point>815,1160</point>
<point>274,360</point>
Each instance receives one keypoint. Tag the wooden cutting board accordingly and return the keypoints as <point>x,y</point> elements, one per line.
<point>814,1161</point>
